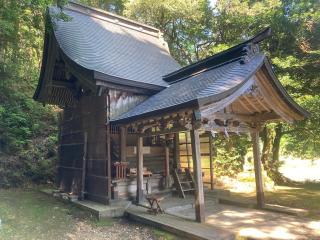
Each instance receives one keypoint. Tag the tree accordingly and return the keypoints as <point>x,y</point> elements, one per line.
<point>185,24</point>
<point>27,129</point>
<point>194,31</point>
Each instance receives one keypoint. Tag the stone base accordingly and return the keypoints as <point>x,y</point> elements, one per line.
<point>113,210</point>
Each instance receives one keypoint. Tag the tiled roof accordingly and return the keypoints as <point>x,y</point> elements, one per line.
<point>215,83</point>
<point>112,45</point>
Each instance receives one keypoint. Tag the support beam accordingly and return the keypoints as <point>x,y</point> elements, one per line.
<point>257,169</point>
<point>84,166</point>
<point>187,149</point>
<point>109,161</point>
<point>167,165</point>
<point>176,153</point>
<point>211,160</point>
<point>164,132</point>
<point>140,187</point>
<point>196,156</point>
<point>123,144</point>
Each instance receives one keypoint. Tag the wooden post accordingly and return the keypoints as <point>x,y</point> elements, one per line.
<point>196,157</point>
<point>167,166</point>
<point>139,170</point>
<point>84,166</point>
<point>123,144</point>
<point>211,161</point>
<point>257,169</point>
<point>176,152</point>
<point>187,149</point>
<point>109,160</point>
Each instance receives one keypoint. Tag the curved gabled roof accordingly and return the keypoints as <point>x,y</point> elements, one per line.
<point>215,85</point>
<point>113,46</point>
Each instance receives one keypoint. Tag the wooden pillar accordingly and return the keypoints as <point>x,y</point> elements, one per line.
<point>196,157</point>
<point>176,152</point>
<point>167,165</point>
<point>257,169</point>
<point>187,149</point>
<point>84,166</point>
<point>109,160</point>
<point>211,161</point>
<point>140,170</point>
<point>123,144</point>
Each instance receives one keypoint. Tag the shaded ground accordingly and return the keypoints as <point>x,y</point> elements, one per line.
<point>32,215</point>
<point>297,195</point>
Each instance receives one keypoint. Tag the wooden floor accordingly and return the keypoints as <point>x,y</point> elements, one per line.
<point>225,221</point>
<point>177,225</point>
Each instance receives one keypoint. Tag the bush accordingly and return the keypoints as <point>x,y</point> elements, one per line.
<point>28,139</point>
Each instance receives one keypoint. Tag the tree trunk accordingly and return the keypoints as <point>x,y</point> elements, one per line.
<point>276,143</point>
<point>275,161</point>
<point>270,152</point>
<point>267,146</point>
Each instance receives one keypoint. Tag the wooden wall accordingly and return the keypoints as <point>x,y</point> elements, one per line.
<point>87,116</point>
<point>153,157</point>
<point>122,101</point>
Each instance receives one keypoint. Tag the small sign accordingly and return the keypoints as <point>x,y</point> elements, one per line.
<point>146,150</point>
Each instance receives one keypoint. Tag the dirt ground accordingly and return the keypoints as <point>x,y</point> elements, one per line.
<point>119,229</point>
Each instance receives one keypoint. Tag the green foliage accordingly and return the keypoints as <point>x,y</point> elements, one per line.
<point>114,6</point>
<point>184,24</point>
<point>230,154</point>
<point>27,129</point>
<point>27,141</point>
<point>306,143</point>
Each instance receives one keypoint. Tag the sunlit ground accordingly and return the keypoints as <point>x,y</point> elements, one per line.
<point>304,194</point>
<point>301,170</point>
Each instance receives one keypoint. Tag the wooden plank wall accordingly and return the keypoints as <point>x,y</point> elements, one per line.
<point>154,155</point>
<point>153,160</point>
<point>122,101</point>
<point>88,115</point>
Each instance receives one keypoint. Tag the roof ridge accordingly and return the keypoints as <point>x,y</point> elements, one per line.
<point>113,18</point>
<point>242,52</point>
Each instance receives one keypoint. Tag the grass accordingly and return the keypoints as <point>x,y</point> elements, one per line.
<point>31,215</point>
<point>108,222</point>
<point>161,235</point>
<point>297,195</point>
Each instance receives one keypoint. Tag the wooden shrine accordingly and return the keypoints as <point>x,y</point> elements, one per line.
<point>129,108</point>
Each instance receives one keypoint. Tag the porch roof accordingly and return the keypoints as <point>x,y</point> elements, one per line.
<point>211,86</point>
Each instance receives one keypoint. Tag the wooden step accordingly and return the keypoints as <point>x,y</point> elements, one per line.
<point>184,182</point>
<point>188,190</point>
<point>189,181</point>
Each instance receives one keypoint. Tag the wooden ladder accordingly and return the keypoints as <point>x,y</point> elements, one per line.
<point>184,182</point>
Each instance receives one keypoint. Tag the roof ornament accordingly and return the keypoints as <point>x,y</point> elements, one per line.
<point>249,50</point>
